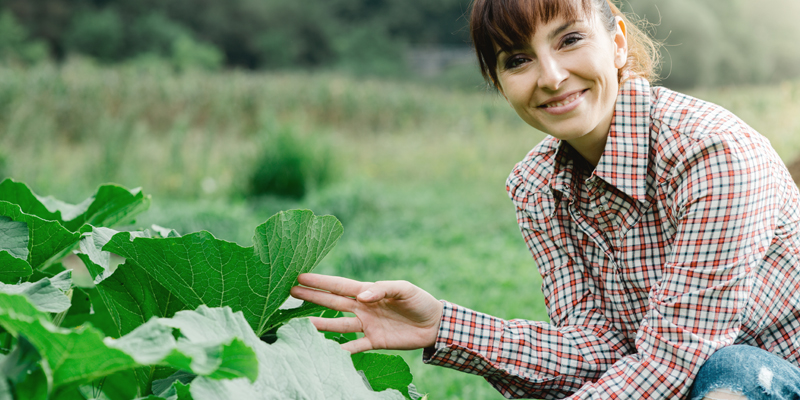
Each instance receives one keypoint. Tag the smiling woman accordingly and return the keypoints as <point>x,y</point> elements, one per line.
<point>664,227</point>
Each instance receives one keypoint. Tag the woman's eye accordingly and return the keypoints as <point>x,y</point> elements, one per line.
<point>570,40</point>
<point>514,62</point>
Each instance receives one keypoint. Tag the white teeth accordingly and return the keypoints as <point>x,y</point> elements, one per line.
<point>564,102</point>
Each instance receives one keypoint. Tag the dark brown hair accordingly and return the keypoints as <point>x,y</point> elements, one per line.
<point>511,23</point>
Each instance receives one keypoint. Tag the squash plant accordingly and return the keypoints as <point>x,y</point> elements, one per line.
<point>181,317</point>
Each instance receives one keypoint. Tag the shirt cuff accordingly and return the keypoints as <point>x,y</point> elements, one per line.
<point>467,341</point>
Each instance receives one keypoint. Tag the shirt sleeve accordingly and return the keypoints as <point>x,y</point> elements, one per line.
<point>523,358</point>
<point>720,202</point>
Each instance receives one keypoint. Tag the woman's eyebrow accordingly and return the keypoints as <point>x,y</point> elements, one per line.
<point>552,34</point>
<point>562,28</point>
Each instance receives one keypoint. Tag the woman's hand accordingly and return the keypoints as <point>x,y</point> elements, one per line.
<point>392,314</point>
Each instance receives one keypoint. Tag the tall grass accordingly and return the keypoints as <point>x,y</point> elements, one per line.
<point>74,126</point>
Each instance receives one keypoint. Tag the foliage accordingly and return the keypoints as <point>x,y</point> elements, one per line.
<point>712,43</point>
<point>180,318</point>
<point>290,165</point>
<point>15,43</point>
<point>99,34</point>
<point>708,42</point>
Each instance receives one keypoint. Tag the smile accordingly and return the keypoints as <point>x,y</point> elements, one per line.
<point>565,104</point>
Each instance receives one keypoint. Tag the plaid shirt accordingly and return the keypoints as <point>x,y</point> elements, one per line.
<point>684,239</point>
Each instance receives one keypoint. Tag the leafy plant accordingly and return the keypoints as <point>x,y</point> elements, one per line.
<point>15,44</point>
<point>181,318</point>
<point>289,165</point>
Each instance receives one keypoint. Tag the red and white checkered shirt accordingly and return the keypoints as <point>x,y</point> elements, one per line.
<point>684,239</point>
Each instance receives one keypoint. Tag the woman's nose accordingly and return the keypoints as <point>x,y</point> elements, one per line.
<point>551,73</point>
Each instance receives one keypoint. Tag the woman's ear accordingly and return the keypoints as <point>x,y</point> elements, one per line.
<point>620,44</point>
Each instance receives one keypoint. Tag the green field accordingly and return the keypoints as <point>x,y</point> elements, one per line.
<point>418,171</point>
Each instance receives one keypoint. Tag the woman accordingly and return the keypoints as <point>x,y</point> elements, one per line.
<point>665,230</point>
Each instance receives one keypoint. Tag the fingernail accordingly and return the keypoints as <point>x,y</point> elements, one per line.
<point>365,295</point>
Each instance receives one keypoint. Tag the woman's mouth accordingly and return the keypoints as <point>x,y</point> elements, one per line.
<point>564,105</point>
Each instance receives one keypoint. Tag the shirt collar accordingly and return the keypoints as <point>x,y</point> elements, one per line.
<point>625,157</point>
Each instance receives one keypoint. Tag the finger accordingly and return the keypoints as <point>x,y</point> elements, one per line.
<point>386,289</point>
<point>339,325</point>
<point>358,345</point>
<point>332,301</point>
<point>333,284</point>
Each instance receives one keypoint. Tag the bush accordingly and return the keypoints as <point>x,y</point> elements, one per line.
<point>370,50</point>
<point>155,34</point>
<point>15,45</point>
<point>188,53</point>
<point>290,166</point>
<point>99,34</point>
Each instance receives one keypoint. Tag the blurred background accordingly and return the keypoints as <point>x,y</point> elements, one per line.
<point>371,110</point>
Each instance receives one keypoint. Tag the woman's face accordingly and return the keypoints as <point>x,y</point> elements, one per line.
<point>564,81</point>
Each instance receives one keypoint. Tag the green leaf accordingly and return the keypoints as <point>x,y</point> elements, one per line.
<point>80,310</point>
<point>110,205</point>
<point>13,250</point>
<point>5,389</point>
<point>301,364</point>
<point>20,362</point>
<point>74,356</point>
<point>178,391</point>
<point>202,270</point>
<point>282,316</point>
<point>46,239</point>
<point>384,371</point>
<point>166,387</point>
<point>132,297</point>
<point>99,262</point>
<point>12,268</point>
<point>71,355</point>
<point>46,295</point>
<point>153,343</point>
<point>14,237</point>
<point>182,391</point>
<point>34,387</point>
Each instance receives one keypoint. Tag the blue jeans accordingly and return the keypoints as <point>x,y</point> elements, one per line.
<point>751,371</point>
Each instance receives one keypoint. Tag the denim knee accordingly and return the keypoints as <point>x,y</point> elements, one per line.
<point>751,371</point>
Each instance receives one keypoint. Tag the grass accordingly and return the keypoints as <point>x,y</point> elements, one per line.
<point>421,170</point>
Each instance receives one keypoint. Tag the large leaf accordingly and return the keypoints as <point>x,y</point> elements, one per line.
<point>20,362</point>
<point>99,263</point>
<point>283,315</point>
<point>46,240</point>
<point>153,343</point>
<point>110,205</point>
<point>384,371</point>
<point>129,295</point>
<point>12,268</point>
<point>73,356</point>
<point>14,238</point>
<point>301,364</point>
<point>47,294</point>
<point>132,297</point>
<point>202,270</point>
<point>70,355</point>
